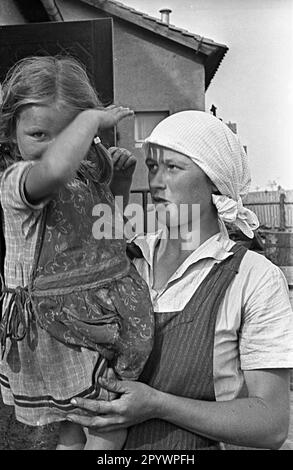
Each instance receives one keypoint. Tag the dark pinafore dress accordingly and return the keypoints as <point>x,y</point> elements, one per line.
<point>181,362</point>
<point>83,291</point>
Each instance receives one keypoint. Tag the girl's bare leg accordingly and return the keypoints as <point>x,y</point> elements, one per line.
<point>71,437</point>
<point>105,441</point>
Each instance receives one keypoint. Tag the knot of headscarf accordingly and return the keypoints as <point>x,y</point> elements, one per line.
<point>233,212</point>
<point>211,145</point>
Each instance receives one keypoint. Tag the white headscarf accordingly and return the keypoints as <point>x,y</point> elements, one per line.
<point>218,152</point>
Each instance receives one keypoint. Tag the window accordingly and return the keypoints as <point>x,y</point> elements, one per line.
<point>145,122</point>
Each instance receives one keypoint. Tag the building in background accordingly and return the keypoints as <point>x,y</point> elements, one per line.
<point>158,69</point>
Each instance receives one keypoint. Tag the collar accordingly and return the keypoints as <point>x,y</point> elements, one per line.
<point>216,247</point>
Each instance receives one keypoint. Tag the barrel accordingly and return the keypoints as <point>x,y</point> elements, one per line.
<point>279,249</point>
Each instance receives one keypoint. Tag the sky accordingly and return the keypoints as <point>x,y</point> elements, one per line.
<point>253,86</point>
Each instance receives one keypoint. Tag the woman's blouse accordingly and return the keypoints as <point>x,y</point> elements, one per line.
<point>254,328</point>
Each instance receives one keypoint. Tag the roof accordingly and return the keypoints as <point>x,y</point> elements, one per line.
<point>211,52</point>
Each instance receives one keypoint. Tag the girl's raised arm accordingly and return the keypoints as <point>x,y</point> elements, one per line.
<point>63,156</point>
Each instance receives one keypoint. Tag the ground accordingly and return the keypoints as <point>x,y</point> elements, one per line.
<point>289,443</point>
<point>16,436</point>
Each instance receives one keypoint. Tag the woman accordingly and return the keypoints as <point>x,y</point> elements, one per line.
<point>219,370</point>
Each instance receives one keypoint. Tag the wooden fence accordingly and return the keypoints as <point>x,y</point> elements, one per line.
<point>274,209</point>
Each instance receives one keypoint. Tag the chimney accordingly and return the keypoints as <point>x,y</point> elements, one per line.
<point>165,15</point>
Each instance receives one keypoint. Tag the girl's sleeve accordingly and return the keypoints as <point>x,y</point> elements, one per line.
<point>12,189</point>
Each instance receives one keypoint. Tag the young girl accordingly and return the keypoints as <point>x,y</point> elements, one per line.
<point>75,308</point>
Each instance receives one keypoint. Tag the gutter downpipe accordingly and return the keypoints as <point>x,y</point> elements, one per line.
<point>52,9</point>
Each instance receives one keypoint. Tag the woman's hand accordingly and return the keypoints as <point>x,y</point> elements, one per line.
<point>137,403</point>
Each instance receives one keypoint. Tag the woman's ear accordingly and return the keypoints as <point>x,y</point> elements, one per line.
<point>215,189</point>
<point>14,145</point>
<point>13,137</point>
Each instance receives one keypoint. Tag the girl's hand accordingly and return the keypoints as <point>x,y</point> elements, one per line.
<point>137,403</point>
<point>110,116</point>
<point>124,163</point>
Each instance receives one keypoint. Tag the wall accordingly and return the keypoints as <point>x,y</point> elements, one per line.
<point>151,73</point>
<point>9,13</point>
<point>72,10</point>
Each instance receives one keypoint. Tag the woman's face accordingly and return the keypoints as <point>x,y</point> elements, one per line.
<point>177,183</point>
<point>37,126</point>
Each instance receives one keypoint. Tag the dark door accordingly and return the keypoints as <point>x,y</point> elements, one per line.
<point>89,41</point>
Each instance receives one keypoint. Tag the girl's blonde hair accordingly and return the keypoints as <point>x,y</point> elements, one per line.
<point>43,80</point>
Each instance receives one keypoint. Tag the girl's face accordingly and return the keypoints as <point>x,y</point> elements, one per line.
<point>38,125</point>
<point>175,180</point>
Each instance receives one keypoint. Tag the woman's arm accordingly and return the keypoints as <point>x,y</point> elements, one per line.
<point>63,156</point>
<point>261,420</point>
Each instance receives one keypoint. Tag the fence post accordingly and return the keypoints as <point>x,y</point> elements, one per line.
<point>144,205</point>
<point>282,212</point>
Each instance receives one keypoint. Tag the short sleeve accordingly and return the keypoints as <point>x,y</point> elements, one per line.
<point>12,188</point>
<point>266,334</point>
